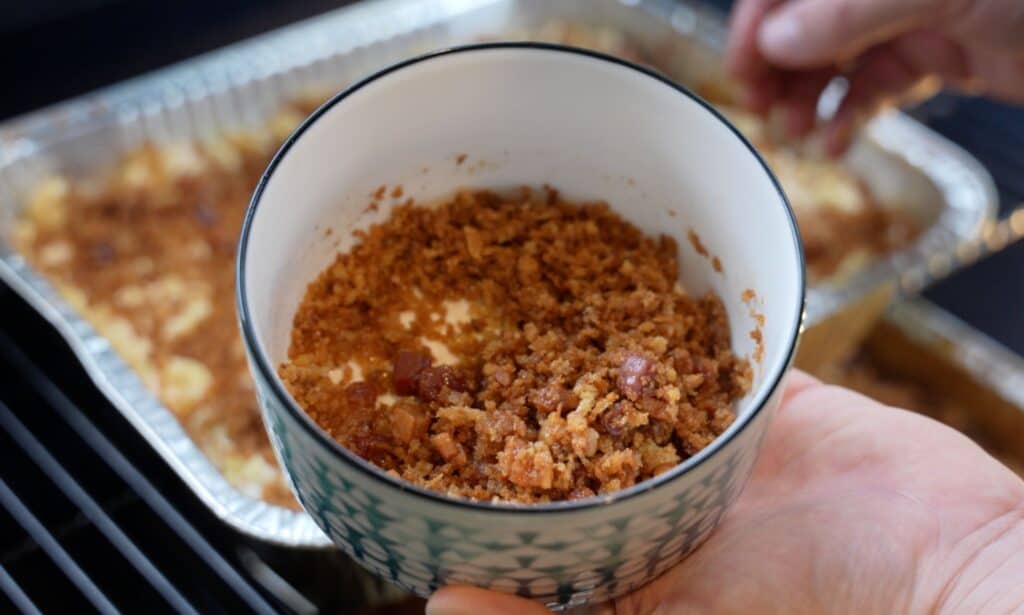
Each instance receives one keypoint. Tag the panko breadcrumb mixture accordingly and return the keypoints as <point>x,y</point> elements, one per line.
<point>518,348</point>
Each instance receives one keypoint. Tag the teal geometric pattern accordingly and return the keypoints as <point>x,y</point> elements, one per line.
<point>421,548</point>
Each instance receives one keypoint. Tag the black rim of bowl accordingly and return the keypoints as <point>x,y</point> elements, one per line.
<point>260,360</point>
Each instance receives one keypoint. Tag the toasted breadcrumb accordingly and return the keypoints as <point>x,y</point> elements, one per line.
<point>570,374</point>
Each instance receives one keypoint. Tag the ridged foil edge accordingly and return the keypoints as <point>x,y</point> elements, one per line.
<point>970,205</point>
<point>244,78</point>
<point>989,363</point>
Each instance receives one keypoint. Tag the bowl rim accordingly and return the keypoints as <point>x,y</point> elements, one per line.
<point>260,361</point>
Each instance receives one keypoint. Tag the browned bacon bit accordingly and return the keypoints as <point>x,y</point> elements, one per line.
<point>432,381</point>
<point>408,365</point>
<point>553,398</point>
<point>614,419</point>
<point>361,394</point>
<point>635,373</point>
<point>371,447</point>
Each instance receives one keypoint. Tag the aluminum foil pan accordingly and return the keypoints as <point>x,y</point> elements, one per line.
<point>995,367</point>
<point>242,85</point>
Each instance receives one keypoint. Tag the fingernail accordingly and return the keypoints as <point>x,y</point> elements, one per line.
<point>779,33</point>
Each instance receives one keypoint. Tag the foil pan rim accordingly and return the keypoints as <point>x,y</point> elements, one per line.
<point>989,362</point>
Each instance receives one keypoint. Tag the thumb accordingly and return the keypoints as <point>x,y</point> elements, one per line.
<point>814,33</point>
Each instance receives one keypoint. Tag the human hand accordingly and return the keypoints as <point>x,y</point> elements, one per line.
<point>786,51</point>
<point>852,507</point>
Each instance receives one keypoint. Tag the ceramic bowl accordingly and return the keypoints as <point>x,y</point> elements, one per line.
<point>508,115</point>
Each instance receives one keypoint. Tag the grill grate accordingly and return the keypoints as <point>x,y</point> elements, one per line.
<point>67,484</point>
<point>52,487</point>
<point>57,554</point>
<point>92,520</point>
<point>17,597</point>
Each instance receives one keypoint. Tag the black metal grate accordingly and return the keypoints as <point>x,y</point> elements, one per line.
<point>92,520</point>
<point>82,524</point>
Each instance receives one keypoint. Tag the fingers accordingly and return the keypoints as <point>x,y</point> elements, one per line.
<point>993,25</point>
<point>800,100</point>
<point>806,38</point>
<point>742,56</point>
<point>892,74</point>
<point>761,93</point>
<point>815,33</point>
<point>762,81</point>
<point>787,51</point>
<point>462,600</point>
<point>999,76</point>
<point>881,74</point>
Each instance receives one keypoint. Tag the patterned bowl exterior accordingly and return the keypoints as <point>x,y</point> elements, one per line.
<point>562,557</point>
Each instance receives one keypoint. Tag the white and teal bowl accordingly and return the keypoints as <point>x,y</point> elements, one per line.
<point>522,114</point>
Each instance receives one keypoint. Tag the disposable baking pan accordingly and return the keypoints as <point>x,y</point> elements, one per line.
<point>964,377</point>
<point>907,165</point>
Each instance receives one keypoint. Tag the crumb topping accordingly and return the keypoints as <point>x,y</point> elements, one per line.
<point>514,348</point>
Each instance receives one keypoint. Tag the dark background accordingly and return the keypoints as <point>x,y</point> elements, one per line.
<point>51,50</point>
